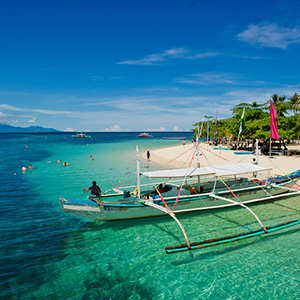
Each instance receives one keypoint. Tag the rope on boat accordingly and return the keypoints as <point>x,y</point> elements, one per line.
<point>295,183</point>
<point>161,197</point>
<point>188,157</point>
<point>121,179</point>
<point>193,157</point>
<point>200,147</point>
<point>238,201</point>
<point>176,157</point>
<point>124,183</point>
<point>183,180</point>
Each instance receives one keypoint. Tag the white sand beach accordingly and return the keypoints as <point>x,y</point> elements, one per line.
<point>182,156</point>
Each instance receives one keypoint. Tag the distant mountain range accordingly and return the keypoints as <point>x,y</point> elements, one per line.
<point>4,128</point>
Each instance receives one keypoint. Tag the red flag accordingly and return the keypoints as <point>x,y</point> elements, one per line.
<point>273,126</point>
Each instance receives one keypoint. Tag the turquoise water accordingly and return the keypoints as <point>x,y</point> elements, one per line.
<point>47,254</point>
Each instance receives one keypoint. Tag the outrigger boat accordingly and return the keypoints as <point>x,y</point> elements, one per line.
<point>81,135</point>
<point>145,134</point>
<point>189,190</point>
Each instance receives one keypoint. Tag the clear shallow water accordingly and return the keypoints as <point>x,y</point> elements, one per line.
<point>45,253</point>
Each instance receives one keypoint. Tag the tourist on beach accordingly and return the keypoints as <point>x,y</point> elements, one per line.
<point>95,190</point>
<point>148,155</point>
<point>183,142</point>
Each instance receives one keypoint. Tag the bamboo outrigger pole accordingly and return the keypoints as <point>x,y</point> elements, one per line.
<point>229,239</point>
<point>172,214</point>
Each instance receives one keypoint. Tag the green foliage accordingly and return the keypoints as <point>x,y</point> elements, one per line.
<point>256,120</point>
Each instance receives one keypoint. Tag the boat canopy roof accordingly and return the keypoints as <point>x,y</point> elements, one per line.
<point>223,170</point>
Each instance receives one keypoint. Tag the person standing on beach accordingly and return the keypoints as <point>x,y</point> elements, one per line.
<point>95,190</point>
<point>148,155</point>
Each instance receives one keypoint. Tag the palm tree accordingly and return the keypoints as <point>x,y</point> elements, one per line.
<point>279,104</point>
<point>294,103</point>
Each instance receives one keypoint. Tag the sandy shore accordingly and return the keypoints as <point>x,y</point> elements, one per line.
<point>182,156</point>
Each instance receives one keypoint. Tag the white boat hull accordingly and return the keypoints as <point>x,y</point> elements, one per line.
<point>138,209</point>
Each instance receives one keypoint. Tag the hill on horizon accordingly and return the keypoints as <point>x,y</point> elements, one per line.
<point>4,128</point>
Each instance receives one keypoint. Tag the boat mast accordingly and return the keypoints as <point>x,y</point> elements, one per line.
<point>138,172</point>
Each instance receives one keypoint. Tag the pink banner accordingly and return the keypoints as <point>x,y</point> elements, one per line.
<point>273,126</point>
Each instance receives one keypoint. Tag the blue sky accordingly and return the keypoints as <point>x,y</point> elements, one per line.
<point>142,65</point>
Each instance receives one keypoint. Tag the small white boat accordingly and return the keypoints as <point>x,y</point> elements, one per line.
<point>145,134</point>
<point>81,135</point>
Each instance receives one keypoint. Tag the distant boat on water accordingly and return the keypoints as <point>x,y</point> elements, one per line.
<point>145,134</point>
<point>81,135</point>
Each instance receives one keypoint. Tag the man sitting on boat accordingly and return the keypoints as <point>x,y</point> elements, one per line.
<point>95,191</point>
<point>162,189</point>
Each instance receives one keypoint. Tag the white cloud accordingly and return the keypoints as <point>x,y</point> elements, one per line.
<point>203,55</point>
<point>69,129</point>
<point>270,35</point>
<point>155,129</point>
<point>155,58</point>
<point>41,111</point>
<point>33,120</point>
<point>114,128</point>
<point>181,52</point>
<point>7,119</point>
<point>209,78</point>
<point>3,118</point>
<point>176,128</point>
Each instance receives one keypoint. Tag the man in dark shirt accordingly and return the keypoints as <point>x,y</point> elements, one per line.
<point>95,190</point>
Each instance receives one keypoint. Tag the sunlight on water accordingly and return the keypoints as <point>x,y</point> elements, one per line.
<point>46,253</point>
